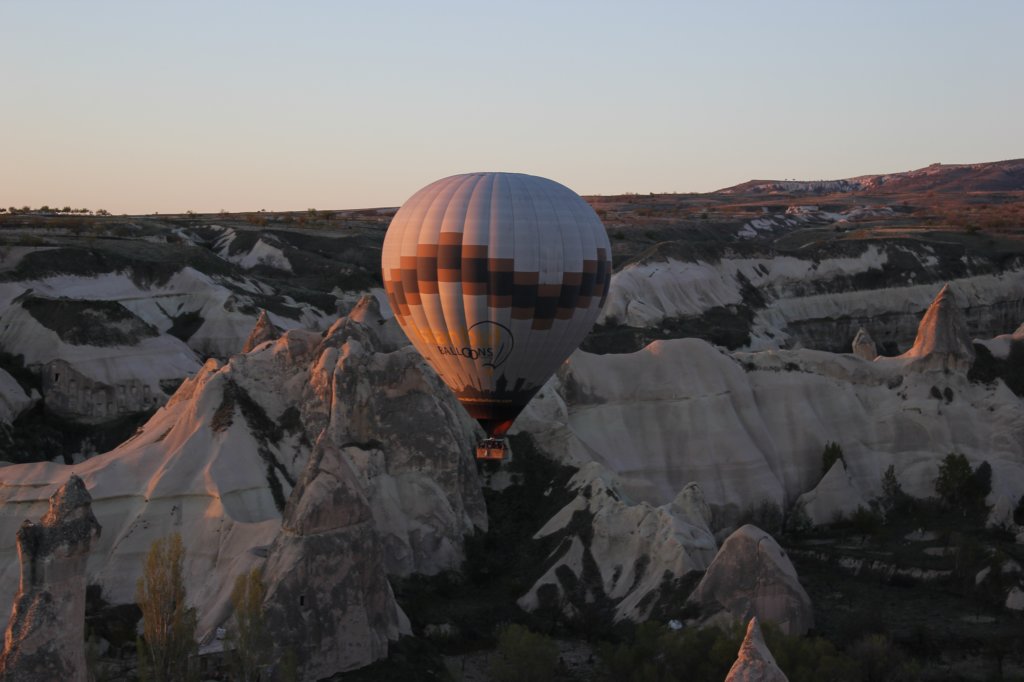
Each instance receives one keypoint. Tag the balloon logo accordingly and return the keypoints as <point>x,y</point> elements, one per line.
<point>496,278</point>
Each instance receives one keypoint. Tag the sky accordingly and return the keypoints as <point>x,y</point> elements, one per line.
<point>141,107</point>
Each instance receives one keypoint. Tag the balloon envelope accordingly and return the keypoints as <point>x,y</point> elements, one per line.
<point>496,278</point>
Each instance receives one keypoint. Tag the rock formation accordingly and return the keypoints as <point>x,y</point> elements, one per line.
<point>45,637</point>
<point>755,662</point>
<point>265,330</point>
<point>864,346</point>
<point>942,341</point>
<point>751,576</point>
<point>13,399</point>
<point>810,301</point>
<point>638,550</point>
<point>835,495</point>
<point>328,600</point>
<point>221,459</point>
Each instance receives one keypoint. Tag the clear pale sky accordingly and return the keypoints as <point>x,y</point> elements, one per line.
<point>169,106</point>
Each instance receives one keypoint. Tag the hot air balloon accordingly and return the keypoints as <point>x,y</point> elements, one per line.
<point>496,278</point>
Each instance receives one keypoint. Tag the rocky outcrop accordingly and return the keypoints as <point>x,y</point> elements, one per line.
<point>942,341</point>
<point>45,637</point>
<point>328,600</point>
<point>1000,345</point>
<point>351,408</point>
<point>835,496</point>
<point>751,576</point>
<point>817,300</point>
<point>755,662</point>
<point>864,346</point>
<point>13,399</point>
<point>265,330</point>
<point>626,555</point>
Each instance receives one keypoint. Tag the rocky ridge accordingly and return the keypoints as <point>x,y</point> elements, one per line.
<point>223,456</point>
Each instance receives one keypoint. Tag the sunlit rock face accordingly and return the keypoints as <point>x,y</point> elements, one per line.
<point>265,330</point>
<point>620,553</point>
<point>219,462</point>
<point>751,576</point>
<point>942,341</point>
<point>45,637</point>
<point>755,662</point>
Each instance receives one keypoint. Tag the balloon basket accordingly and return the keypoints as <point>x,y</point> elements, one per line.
<point>493,450</point>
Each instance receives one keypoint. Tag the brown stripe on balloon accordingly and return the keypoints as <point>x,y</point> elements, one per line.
<point>408,278</point>
<point>500,282</point>
<point>426,265</point>
<point>546,306</point>
<point>524,294</point>
<point>587,283</point>
<point>569,295</point>
<point>396,282</point>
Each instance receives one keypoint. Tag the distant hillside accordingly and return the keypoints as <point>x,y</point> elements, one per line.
<point>996,176</point>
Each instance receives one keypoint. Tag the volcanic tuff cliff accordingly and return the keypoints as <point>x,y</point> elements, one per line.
<point>219,462</point>
<point>750,426</point>
<point>45,637</point>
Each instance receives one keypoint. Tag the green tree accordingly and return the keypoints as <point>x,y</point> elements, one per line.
<point>954,479</point>
<point>893,498</point>
<point>829,455</point>
<point>250,638</point>
<point>524,655</point>
<point>167,647</point>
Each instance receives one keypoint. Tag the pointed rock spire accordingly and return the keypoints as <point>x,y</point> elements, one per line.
<point>45,635</point>
<point>755,662</point>
<point>265,330</point>
<point>864,346</point>
<point>942,340</point>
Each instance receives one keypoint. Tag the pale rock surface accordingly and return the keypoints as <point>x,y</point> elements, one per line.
<point>328,602</point>
<point>752,576</point>
<point>218,462</point>
<point>635,547</point>
<point>942,341</point>
<point>835,495</point>
<point>754,662</point>
<point>224,307</point>
<point>798,292</point>
<point>1015,599</point>
<point>98,372</point>
<point>1000,345</point>
<point>13,399</point>
<point>265,330</point>
<point>750,427</point>
<point>44,640</point>
<point>864,346</point>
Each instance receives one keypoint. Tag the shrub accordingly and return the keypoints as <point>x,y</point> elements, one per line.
<point>953,479</point>
<point>957,485</point>
<point>766,515</point>
<point>167,647</point>
<point>524,655</point>
<point>250,638</point>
